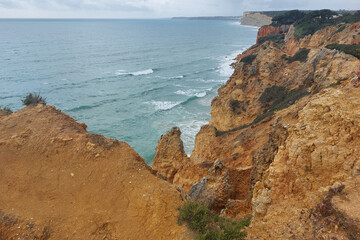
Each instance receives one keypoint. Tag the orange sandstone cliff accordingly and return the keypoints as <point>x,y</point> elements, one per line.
<point>283,142</point>
<point>57,181</point>
<point>282,148</point>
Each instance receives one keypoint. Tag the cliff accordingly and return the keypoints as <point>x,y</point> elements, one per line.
<point>281,146</point>
<point>255,19</point>
<point>60,182</point>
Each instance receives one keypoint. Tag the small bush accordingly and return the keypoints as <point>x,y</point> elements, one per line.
<point>248,59</point>
<point>340,29</point>
<point>300,56</point>
<point>33,99</point>
<point>208,225</point>
<point>287,18</point>
<point>276,38</point>
<point>352,49</point>
<point>6,110</point>
<point>196,215</point>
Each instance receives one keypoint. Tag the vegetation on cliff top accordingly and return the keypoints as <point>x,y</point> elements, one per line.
<point>6,110</point>
<point>310,22</point>
<point>208,225</point>
<point>33,99</point>
<point>352,49</point>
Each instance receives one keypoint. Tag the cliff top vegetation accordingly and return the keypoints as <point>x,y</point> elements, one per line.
<point>309,22</point>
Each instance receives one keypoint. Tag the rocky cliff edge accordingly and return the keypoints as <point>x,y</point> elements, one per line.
<point>60,182</point>
<point>283,142</point>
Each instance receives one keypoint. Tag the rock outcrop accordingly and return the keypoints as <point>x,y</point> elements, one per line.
<point>170,154</point>
<point>271,30</point>
<point>285,127</point>
<point>60,182</point>
<point>308,189</point>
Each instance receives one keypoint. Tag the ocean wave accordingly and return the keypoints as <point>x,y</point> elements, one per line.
<point>137,73</point>
<point>211,80</point>
<point>225,69</point>
<point>191,93</point>
<point>189,129</point>
<point>174,77</point>
<point>177,77</point>
<point>163,105</point>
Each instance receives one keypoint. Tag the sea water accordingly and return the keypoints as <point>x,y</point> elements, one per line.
<point>131,80</point>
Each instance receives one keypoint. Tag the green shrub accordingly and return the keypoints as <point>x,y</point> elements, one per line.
<point>311,21</point>
<point>272,95</point>
<point>314,21</point>
<point>33,99</point>
<point>340,29</point>
<point>6,110</point>
<point>352,49</point>
<point>277,98</point>
<point>287,18</point>
<point>208,225</point>
<point>196,215</point>
<point>300,56</point>
<point>276,38</point>
<point>248,59</point>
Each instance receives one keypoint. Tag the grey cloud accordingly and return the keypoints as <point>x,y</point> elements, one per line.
<point>164,8</point>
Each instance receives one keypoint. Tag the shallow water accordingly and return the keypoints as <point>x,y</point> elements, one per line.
<point>126,79</point>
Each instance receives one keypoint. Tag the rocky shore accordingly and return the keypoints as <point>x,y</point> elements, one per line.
<point>283,142</point>
<point>282,148</point>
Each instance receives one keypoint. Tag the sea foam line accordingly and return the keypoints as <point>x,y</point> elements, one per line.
<point>137,73</point>
<point>163,105</point>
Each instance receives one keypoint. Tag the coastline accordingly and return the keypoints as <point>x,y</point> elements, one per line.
<point>281,149</point>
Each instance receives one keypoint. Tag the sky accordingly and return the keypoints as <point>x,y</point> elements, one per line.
<point>156,8</point>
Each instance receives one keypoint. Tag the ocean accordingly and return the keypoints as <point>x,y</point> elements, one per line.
<point>131,80</point>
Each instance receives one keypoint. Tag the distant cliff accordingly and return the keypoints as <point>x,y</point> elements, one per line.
<point>255,19</point>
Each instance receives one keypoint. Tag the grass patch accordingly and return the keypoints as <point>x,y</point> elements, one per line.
<point>33,99</point>
<point>248,59</point>
<point>352,49</point>
<point>301,55</point>
<point>208,225</point>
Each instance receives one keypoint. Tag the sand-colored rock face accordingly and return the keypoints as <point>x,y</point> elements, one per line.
<point>57,181</point>
<point>170,154</point>
<point>299,194</point>
<point>296,169</point>
<point>239,102</point>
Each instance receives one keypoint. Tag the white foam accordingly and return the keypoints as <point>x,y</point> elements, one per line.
<point>236,23</point>
<point>144,72</point>
<point>177,77</point>
<point>191,93</point>
<point>225,70</point>
<point>212,80</point>
<point>163,105</point>
<point>188,133</point>
<point>138,73</point>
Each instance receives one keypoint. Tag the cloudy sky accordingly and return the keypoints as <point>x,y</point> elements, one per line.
<point>155,8</point>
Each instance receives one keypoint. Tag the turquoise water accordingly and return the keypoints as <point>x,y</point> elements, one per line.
<point>131,80</point>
